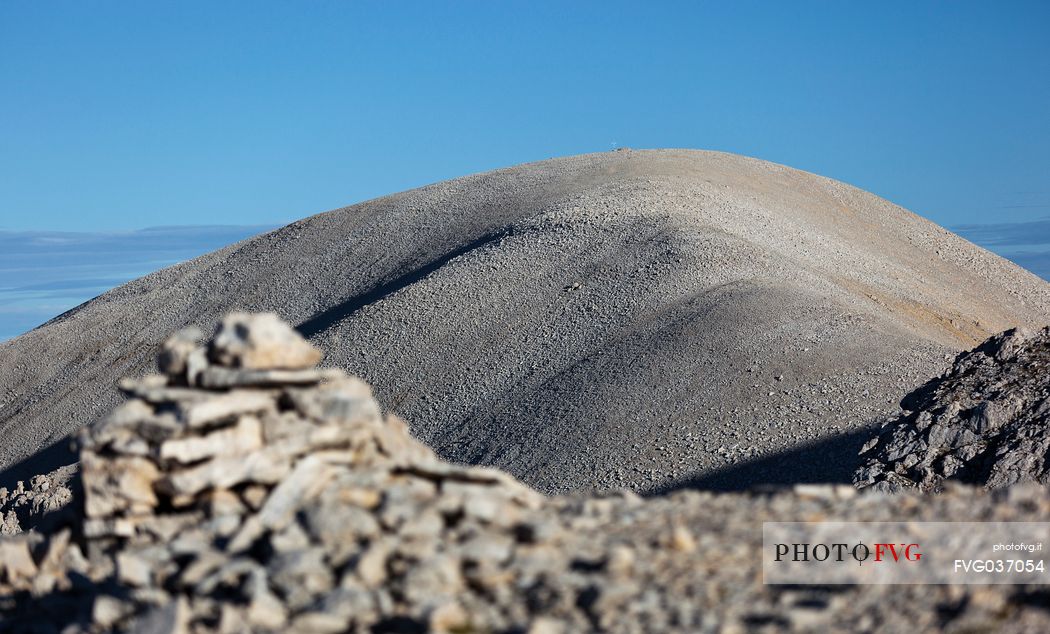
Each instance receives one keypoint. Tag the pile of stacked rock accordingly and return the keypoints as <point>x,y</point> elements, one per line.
<point>244,490</point>
<point>245,469</point>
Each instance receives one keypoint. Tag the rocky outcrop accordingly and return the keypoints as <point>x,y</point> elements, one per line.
<point>986,421</point>
<point>36,503</point>
<point>234,496</point>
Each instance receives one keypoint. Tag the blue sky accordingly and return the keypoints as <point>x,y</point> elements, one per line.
<point>116,116</point>
<point>45,273</point>
<point>123,115</point>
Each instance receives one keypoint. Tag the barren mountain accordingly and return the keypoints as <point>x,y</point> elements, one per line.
<point>635,318</point>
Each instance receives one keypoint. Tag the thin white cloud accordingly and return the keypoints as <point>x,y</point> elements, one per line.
<point>45,273</point>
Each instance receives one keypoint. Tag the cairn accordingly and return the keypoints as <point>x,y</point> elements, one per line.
<point>245,472</point>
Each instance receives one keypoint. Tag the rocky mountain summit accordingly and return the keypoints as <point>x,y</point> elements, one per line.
<point>246,490</point>
<point>986,421</point>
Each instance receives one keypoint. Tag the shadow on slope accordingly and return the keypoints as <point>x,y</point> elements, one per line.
<point>829,461</point>
<point>326,319</point>
<point>58,454</point>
